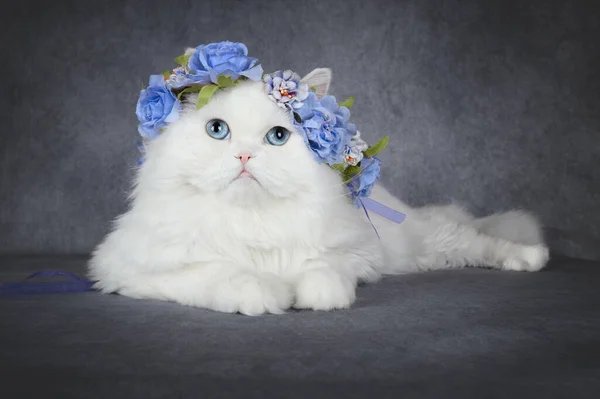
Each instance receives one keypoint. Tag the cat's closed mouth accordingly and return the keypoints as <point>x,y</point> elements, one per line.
<point>244,174</point>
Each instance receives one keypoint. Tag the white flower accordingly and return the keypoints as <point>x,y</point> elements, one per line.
<point>178,78</point>
<point>286,89</point>
<point>352,155</point>
<point>357,142</point>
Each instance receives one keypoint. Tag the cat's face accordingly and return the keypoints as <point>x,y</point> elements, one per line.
<point>240,145</point>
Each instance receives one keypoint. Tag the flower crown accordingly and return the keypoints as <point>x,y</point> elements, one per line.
<point>323,123</point>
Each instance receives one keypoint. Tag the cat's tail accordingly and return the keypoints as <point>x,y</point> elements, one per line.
<point>516,226</point>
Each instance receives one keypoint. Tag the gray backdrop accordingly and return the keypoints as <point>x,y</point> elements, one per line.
<point>495,104</point>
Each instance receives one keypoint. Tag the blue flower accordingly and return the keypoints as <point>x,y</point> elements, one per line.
<point>362,184</point>
<point>309,104</point>
<point>156,107</point>
<point>326,128</point>
<point>286,89</point>
<point>224,58</point>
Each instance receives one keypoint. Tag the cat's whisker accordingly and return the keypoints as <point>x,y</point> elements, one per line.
<point>335,197</point>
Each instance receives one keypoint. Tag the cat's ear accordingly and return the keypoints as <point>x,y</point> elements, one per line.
<point>318,80</point>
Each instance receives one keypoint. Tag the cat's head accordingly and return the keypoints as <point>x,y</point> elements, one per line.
<point>240,146</point>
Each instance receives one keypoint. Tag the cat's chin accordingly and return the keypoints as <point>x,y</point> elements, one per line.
<point>245,188</point>
<point>245,176</point>
<point>245,179</point>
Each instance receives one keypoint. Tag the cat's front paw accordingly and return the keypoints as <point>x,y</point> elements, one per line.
<point>530,258</point>
<point>253,295</point>
<point>324,289</point>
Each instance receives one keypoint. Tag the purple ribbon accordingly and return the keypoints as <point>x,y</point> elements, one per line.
<point>382,210</point>
<point>368,217</point>
<point>369,204</point>
<point>75,284</point>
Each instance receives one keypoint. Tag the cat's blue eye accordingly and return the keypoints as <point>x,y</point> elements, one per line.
<point>277,136</point>
<point>217,129</point>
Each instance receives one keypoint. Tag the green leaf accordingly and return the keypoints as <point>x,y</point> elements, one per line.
<point>224,81</point>
<point>339,166</point>
<point>348,103</point>
<point>166,74</point>
<point>192,89</point>
<point>377,148</point>
<point>205,94</point>
<point>350,172</point>
<point>183,60</point>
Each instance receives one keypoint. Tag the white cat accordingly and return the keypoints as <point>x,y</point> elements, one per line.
<point>239,225</point>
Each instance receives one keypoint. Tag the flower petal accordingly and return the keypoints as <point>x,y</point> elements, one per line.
<point>156,81</point>
<point>174,114</point>
<point>254,73</point>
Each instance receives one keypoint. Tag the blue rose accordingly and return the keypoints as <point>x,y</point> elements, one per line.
<point>361,185</point>
<point>156,107</point>
<point>224,58</point>
<point>369,173</point>
<point>326,128</point>
<point>308,105</point>
<point>342,114</point>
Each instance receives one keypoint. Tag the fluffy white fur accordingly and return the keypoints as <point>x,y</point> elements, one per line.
<point>199,235</point>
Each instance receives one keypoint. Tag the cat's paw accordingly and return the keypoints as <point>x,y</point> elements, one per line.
<point>530,258</point>
<point>253,295</point>
<point>324,289</point>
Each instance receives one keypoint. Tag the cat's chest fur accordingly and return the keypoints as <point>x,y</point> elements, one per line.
<point>271,238</point>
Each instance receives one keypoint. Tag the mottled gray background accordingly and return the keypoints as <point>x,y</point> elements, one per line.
<point>492,103</point>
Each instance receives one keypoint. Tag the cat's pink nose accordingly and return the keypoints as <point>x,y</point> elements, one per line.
<point>244,157</point>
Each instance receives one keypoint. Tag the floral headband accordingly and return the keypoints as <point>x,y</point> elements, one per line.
<point>323,123</point>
